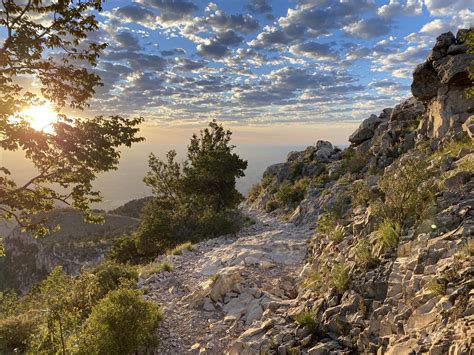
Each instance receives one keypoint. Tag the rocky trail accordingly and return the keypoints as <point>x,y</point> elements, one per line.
<point>229,286</point>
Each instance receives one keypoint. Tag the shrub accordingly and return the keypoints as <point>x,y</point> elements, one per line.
<point>327,225</point>
<point>337,234</point>
<point>364,255</point>
<point>296,168</point>
<point>435,287</point>
<point>359,193</point>
<point>307,319</point>
<point>271,206</point>
<point>407,191</point>
<point>155,268</point>
<point>178,250</point>
<point>120,323</point>
<point>15,333</point>
<point>340,277</point>
<point>388,234</point>
<point>254,192</point>
<point>124,250</point>
<point>110,275</point>
<point>291,194</point>
<point>354,162</point>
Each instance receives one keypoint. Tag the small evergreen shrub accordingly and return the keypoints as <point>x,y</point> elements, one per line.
<point>121,323</point>
<point>15,333</point>
<point>340,277</point>
<point>110,275</point>
<point>364,255</point>
<point>388,234</point>
<point>307,319</point>
<point>435,287</point>
<point>291,194</point>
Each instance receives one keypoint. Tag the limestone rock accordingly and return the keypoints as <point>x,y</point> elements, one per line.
<point>365,130</point>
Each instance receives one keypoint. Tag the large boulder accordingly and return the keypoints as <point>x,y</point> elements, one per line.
<point>454,69</point>
<point>425,82</point>
<point>281,171</point>
<point>365,130</point>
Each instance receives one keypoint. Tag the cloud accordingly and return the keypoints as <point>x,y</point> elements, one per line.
<point>221,21</point>
<point>127,40</point>
<point>314,50</point>
<point>134,13</point>
<point>172,52</point>
<point>396,8</point>
<point>259,6</point>
<point>212,50</point>
<point>447,7</point>
<point>172,12</point>
<point>388,86</point>
<point>187,65</point>
<point>368,28</point>
<point>137,61</point>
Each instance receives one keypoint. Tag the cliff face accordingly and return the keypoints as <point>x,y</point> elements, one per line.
<point>77,244</point>
<point>374,282</point>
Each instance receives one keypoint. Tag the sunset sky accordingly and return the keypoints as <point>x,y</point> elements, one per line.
<point>264,63</point>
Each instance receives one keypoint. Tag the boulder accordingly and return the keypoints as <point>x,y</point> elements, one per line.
<point>445,40</point>
<point>453,69</point>
<point>425,82</point>
<point>409,110</point>
<point>365,130</point>
<point>225,282</point>
<point>281,171</point>
<point>457,49</point>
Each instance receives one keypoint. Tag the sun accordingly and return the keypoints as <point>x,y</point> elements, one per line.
<point>41,117</point>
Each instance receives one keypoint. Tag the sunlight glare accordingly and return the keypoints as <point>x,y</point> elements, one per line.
<point>41,118</point>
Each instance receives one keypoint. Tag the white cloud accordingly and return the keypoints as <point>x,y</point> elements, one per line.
<point>395,7</point>
<point>447,7</point>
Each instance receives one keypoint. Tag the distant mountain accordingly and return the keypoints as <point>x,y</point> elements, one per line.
<point>132,208</point>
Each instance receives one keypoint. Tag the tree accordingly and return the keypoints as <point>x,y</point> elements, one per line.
<point>212,168</point>
<point>47,41</point>
<point>193,200</point>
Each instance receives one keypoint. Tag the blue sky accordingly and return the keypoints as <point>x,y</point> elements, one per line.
<point>266,62</point>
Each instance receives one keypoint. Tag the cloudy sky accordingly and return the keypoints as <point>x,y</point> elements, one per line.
<point>266,63</point>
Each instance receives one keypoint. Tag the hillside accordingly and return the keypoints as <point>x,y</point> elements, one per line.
<point>76,244</point>
<point>374,255</point>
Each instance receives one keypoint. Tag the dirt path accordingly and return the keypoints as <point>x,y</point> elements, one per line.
<point>227,285</point>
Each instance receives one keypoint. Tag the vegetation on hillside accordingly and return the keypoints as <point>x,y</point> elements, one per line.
<point>192,201</point>
<point>100,311</point>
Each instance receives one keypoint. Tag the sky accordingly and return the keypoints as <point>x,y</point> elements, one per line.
<point>269,65</point>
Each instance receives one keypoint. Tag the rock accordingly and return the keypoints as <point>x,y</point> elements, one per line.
<point>457,49</point>
<point>208,305</point>
<point>365,130</point>
<point>453,69</point>
<point>457,180</point>
<point>225,282</point>
<point>281,171</point>
<point>425,82</point>
<point>445,40</point>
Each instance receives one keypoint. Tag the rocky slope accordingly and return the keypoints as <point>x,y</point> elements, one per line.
<point>77,244</point>
<point>346,272</point>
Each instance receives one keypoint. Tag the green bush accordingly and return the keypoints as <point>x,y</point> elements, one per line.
<point>291,194</point>
<point>340,277</point>
<point>194,200</point>
<point>15,333</point>
<point>124,250</point>
<point>407,192</point>
<point>364,255</point>
<point>388,234</point>
<point>307,319</point>
<point>354,162</point>
<point>359,193</point>
<point>110,275</point>
<point>121,323</point>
